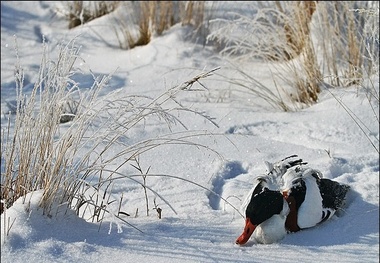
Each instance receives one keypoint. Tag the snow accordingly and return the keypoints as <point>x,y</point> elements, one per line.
<point>196,226</point>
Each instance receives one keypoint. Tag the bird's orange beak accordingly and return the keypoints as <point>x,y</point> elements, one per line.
<point>247,233</point>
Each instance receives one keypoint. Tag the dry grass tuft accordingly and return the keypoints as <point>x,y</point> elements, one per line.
<point>306,44</point>
<point>296,27</point>
<point>142,21</point>
<point>342,41</point>
<point>153,18</point>
<point>33,158</point>
<point>75,165</point>
<point>192,13</point>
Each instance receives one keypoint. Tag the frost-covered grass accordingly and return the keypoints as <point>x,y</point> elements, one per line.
<point>303,44</point>
<point>39,155</point>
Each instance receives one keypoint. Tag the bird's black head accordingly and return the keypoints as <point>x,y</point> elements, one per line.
<point>264,205</point>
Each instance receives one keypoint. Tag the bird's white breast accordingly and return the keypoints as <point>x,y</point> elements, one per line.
<point>310,212</point>
<point>273,229</point>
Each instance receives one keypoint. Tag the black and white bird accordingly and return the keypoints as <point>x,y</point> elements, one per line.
<point>290,197</point>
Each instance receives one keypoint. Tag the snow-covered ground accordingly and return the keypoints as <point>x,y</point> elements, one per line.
<point>196,226</point>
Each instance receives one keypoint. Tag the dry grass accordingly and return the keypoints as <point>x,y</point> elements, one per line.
<point>278,37</point>
<point>165,17</point>
<point>192,13</point>
<point>307,77</point>
<point>304,43</point>
<point>296,27</point>
<point>75,165</point>
<point>342,29</point>
<point>33,159</point>
<point>153,18</point>
<point>144,19</point>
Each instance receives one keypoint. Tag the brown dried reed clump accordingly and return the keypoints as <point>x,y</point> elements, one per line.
<point>154,17</point>
<point>340,39</point>
<point>299,43</point>
<point>306,44</point>
<point>150,17</point>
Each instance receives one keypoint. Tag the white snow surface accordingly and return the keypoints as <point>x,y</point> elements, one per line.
<point>204,227</point>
